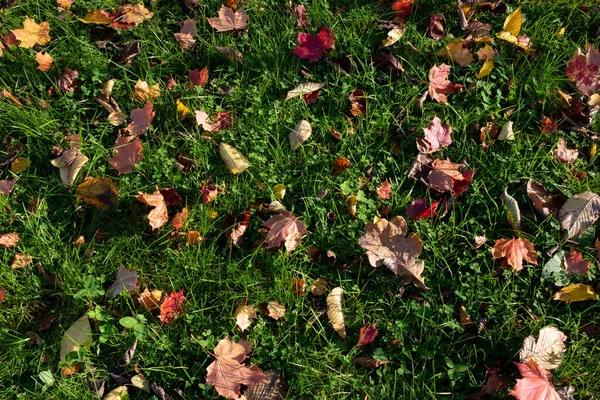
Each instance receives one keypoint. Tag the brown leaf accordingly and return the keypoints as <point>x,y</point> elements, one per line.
<point>514,252</point>
<point>179,218</point>
<point>384,191</point>
<point>303,89</point>
<point>563,154</point>
<point>367,335</point>
<point>231,54</point>
<point>545,203</point>
<point>420,167</point>
<point>66,4</point>
<point>32,33</point>
<point>273,387</point>
<point>300,134</point>
<point>273,310</point>
<point>318,287</point>
<point>21,261</point>
<point>198,77</point>
<point>358,100</point>
<point>194,237</point>
<point>227,373</point>
<point>134,13</point>
<point>284,229</point>
<point>98,192</point>
<point>69,80</point>
<point>235,161</point>
<point>141,118</point>
<point>158,216</point>
<point>574,263</point>
<point>8,95</point>
<point>144,92</point>
<point>44,60</point>
<point>244,315</point>
<point>69,164</point>
<point>185,38</point>
<point>436,28</point>
<point>458,52</point>
<point>578,213</point>
<point>149,300</point>
<point>386,245</point>
<point>9,240</point>
<point>128,154</point>
<point>6,186</point>
<point>341,164</point>
<point>229,20</point>
<point>334,311</point>
<point>369,362</point>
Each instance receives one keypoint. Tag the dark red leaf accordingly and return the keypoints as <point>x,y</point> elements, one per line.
<point>367,335</point>
<point>418,209</point>
<point>313,47</point>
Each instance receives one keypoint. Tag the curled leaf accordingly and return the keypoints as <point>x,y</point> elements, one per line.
<point>98,192</point>
<point>335,313</point>
<point>235,161</point>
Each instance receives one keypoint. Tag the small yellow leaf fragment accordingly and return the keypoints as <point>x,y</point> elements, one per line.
<point>561,32</point>
<point>21,261</point>
<point>279,191</point>
<point>576,292</point>
<point>182,110</point>
<point>486,69</point>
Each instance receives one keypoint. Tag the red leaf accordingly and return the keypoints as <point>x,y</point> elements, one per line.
<point>535,385</point>
<point>547,126</point>
<point>128,154</point>
<point>574,263</point>
<point>224,121</point>
<point>171,307</point>
<point>284,229</point>
<point>359,102</point>
<point>341,164</point>
<point>367,335</point>
<point>209,192</point>
<point>418,209</point>
<point>172,198</point>
<point>439,85</point>
<point>302,14</point>
<point>514,252</point>
<point>179,218</point>
<point>198,78</point>
<point>583,69</point>
<point>436,137</point>
<point>436,29</point>
<point>462,185</point>
<point>384,191</point>
<point>310,98</point>
<point>141,118</point>
<point>403,8</point>
<point>2,293</point>
<point>313,47</point>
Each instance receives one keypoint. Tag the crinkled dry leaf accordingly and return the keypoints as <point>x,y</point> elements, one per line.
<point>436,137</point>
<point>334,311</point>
<point>545,203</point>
<point>144,92</point>
<point>7,186</point>
<point>69,163</point>
<point>79,334</point>
<point>547,351</point>
<point>300,134</point>
<point>439,85</point>
<point>384,191</point>
<point>574,264</point>
<point>318,287</point>
<point>141,118</point>
<point>159,215</point>
<point>369,362</point>
<point>367,335</point>
<point>185,38</point>
<point>32,33</point>
<point>284,229</point>
<point>304,88</point>
<point>386,245</point>
<point>98,192</point>
<point>515,251</point>
<point>576,292</point>
<point>563,154</point>
<point>21,260</point>
<point>149,300</point>
<point>230,54</point>
<point>273,309</point>
<point>128,154</point>
<point>194,237</point>
<point>578,213</point>
<point>507,133</point>
<point>394,35</point>
<point>44,60</point>
<point>69,80</point>
<point>229,20</point>
<point>9,240</point>
<point>179,219</point>
<point>235,161</point>
<point>171,307</point>
<point>227,373</point>
<point>244,315</point>
<point>126,280</point>
<point>458,52</point>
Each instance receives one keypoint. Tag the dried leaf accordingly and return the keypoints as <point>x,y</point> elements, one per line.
<point>69,80</point>
<point>126,280</point>
<point>141,118</point>
<point>545,203</point>
<point>229,20</point>
<point>244,315</point>
<point>334,311</point>
<point>273,309</point>
<point>302,14</point>
<point>159,215</point>
<point>235,161</point>
<point>576,292</point>
<point>358,100</point>
<point>128,154</point>
<point>69,163</point>
<point>32,33</point>
<point>535,385</point>
<point>436,137</point>
<point>78,335</point>
<point>284,229</point>
<point>486,69</point>
<point>367,335</point>
<point>563,154</point>
<point>394,35</point>
<point>144,92</point>
<point>436,28</point>
<point>574,264</point>
<point>369,362</point>
<point>384,191</point>
<point>21,260</point>
<point>231,54</point>
<point>185,38</point>
<point>171,307</point>
<point>9,240</point>
<point>547,351</point>
<point>304,88</point>
<point>578,213</point>
<point>313,47</point>
<point>6,186</point>
<point>272,387</point>
<point>439,85</point>
<point>318,287</point>
<point>507,133</point>
<point>340,164</point>
<point>149,300</point>
<point>515,251</point>
<point>300,134</point>
<point>44,60</point>
<point>198,77</point>
<point>513,211</point>
<point>98,192</point>
<point>418,209</point>
<point>458,52</point>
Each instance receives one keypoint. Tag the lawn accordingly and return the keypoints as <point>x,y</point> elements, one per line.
<point>335,184</point>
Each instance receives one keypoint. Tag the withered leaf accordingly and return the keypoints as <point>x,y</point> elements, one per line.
<point>32,33</point>
<point>235,161</point>
<point>244,314</point>
<point>141,118</point>
<point>126,280</point>
<point>272,309</point>
<point>578,213</point>
<point>367,335</point>
<point>547,351</point>
<point>545,203</point>
<point>284,229</point>
<point>304,88</point>
<point>272,387</point>
<point>9,240</point>
<point>369,362</point>
<point>21,260</point>
<point>335,312</point>
<point>6,186</point>
<point>159,215</point>
<point>128,154</point>
<point>144,92</point>
<point>300,134</point>
<point>100,193</point>
<point>69,80</point>
<point>69,164</point>
<point>514,252</point>
<point>228,20</point>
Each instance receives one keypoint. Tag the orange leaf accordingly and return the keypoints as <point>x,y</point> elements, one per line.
<point>44,60</point>
<point>158,216</point>
<point>514,252</point>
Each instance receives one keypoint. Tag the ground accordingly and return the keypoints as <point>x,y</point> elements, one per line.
<point>430,354</point>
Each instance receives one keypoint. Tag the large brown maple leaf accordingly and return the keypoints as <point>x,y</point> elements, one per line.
<point>285,229</point>
<point>514,251</point>
<point>387,245</point>
<point>227,373</point>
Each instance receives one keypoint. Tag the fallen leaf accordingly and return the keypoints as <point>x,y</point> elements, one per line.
<point>512,28</point>
<point>149,300</point>
<point>98,17</point>
<point>9,240</point>
<point>547,351</point>
<point>479,241</point>
<point>32,33</point>
<point>547,126</point>
<point>436,137</point>
<point>465,320</point>
<point>141,118</point>
<point>300,134</point>
<point>69,80</point>
<point>227,373</point>
<point>507,132</point>
<point>133,14</point>
<point>66,4</point>
<point>439,85</point>
<point>369,362</point>
<point>535,385</point>
<point>128,154</point>
<point>302,14</point>
<point>358,100</point>
<point>563,154</point>
<point>367,335</point>
<point>418,209</point>
<point>209,192</point>
<point>436,28</point>
<point>8,95</point>
<point>334,311</point>
<point>304,88</point>
<point>494,384</point>
<point>194,237</point>
<point>231,54</point>
<point>19,165</point>
<point>223,121</point>
<point>69,164</point>
<point>584,70</point>
<point>574,264</point>
<point>44,60</point>
<point>244,315</point>
<point>394,35</point>
<point>79,241</point>
<point>229,20</point>
<point>235,161</point>
<point>98,192</point>
<point>514,252</point>
<point>386,245</point>
<point>182,110</point>
<point>284,229</point>
<point>486,69</point>
<point>318,287</point>
<point>273,310</point>
<point>141,383</point>
<point>159,215</point>
<point>272,387</point>
<point>171,307</point>
<point>144,92</point>
<point>6,186</point>
<point>198,77</point>
<point>77,336</point>
<point>314,47</point>
<point>512,210</point>
<point>21,260</point>
<point>384,191</point>
<point>185,37</point>
<point>126,280</point>
<point>403,8</point>
<point>578,213</point>
<point>576,292</point>
<point>545,203</point>
<point>458,52</point>
<point>298,287</point>
<point>340,164</point>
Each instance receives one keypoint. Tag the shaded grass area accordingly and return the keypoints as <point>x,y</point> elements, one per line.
<point>419,330</point>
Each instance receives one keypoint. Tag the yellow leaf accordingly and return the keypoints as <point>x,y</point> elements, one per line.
<point>233,159</point>
<point>513,22</point>
<point>32,33</point>
<point>19,165</point>
<point>576,292</point>
<point>99,17</point>
<point>182,110</point>
<point>279,191</point>
<point>521,41</point>
<point>486,68</point>
<point>334,311</point>
<point>98,192</point>
<point>393,36</point>
<point>144,92</point>
<point>561,32</point>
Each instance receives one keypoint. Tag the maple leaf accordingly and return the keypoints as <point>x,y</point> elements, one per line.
<point>545,203</point>
<point>223,121</point>
<point>98,192</point>
<point>144,92</point>
<point>229,20</point>
<point>171,307</point>
<point>284,229</point>
<point>149,300</point>
<point>179,218</point>
<point>418,209</point>
<point>367,335</point>
<point>209,192</point>
<point>126,280</point>
<point>384,191</point>
<point>244,315</point>
<point>198,77</point>
<point>563,154</point>
<point>574,263</point>
<point>302,14</point>
<point>514,252</point>
<point>9,240</point>
<point>185,37</point>
<point>495,383</point>
<point>445,176</point>
<point>44,60</point>
<point>313,47</point>
<point>133,14</point>
<point>436,29</point>
<point>66,4</point>
<point>583,69</point>
<point>227,373</point>
<point>32,33</point>
<point>141,118</point>
<point>547,126</point>
<point>69,80</point>
<point>536,383</point>
<point>547,351</point>
<point>158,216</point>
<point>512,27</point>
<point>436,137</point>
<point>458,53</point>
<point>439,85</point>
<point>403,8</point>
<point>386,245</point>
<point>128,154</point>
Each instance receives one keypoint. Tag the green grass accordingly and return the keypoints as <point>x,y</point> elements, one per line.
<point>216,279</point>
